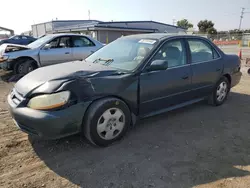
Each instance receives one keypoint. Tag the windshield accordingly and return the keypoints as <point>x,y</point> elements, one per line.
<point>123,53</point>
<point>37,43</point>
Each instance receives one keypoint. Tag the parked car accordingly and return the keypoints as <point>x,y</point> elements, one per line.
<point>18,39</point>
<point>133,77</point>
<point>47,50</point>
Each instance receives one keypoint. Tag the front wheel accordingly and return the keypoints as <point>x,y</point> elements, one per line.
<point>24,67</point>
<point>106,121</point>
<point>220,92</point>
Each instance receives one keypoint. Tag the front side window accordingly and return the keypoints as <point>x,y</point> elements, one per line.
<point>123,53</point>
<point>173,52</point>
<point>201,51</point>
<point>16,38</point>
<point>60,42</point>
<point>82,42</point>
<point>64,42</point>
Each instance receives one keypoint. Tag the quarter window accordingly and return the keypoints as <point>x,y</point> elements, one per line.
<point>173,52</point>
<point>82,42</point>
<point>201,51</point>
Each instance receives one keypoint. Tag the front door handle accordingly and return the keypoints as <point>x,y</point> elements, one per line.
<point>66,52</point>
<point>184,77</point>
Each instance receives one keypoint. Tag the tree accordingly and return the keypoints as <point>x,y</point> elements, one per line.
<point>206,26</point>
<point>211,30</point>
<point>184,23</point>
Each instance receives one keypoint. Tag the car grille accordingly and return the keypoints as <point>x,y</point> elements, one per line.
<point>16,97</point>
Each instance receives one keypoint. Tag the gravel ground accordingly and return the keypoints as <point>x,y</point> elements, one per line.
<point>196,146</point>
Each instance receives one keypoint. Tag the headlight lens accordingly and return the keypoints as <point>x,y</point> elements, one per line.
<point>4,58</point>
<point>51,101</point>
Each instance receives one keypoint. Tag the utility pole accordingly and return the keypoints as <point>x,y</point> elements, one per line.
<point>241,16</point>
<point>89,14</point>
<point>174,21</point>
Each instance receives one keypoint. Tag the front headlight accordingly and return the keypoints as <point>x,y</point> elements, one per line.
<point>3,58</point>
<point>50,101</point>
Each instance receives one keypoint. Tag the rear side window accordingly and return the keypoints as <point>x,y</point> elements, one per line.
<point>201,51</point>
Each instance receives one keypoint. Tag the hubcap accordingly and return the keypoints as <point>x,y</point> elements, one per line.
<point>20,69</point>
<point>30,68</point>
<point>221,91</point>
<point>111,123</point>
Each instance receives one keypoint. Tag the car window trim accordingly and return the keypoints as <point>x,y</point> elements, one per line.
<point>170,68</point>
<point>143,70</point>
<point>211,46</point>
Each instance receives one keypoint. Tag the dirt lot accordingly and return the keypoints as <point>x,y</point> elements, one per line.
<point>197,146</point>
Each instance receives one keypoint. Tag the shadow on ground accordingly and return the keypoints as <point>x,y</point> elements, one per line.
<point>191,146</point>
<point>9,76</point>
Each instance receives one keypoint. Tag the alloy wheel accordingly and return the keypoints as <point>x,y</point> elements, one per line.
<point>221,92</point>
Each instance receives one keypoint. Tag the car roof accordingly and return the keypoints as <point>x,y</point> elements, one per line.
<point>65,34</point>
<point>160,36</point>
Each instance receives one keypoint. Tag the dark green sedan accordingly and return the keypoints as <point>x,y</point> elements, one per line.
<point>131,78</point>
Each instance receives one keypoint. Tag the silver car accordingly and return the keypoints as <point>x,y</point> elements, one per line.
<point>47,50</point>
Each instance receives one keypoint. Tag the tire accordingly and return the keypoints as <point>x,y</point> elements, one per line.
<point>220,92</point>
<point>24,67</point>
<point>113,118</point>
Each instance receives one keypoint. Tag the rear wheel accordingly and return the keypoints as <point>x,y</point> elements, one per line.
<point>24,67</point>
<point>220,92</point>
<point>106,121</point>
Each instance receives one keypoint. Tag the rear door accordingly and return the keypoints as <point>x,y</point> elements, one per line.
<point>82,47</point>
<point>59,51</point>
<point>206,65</point>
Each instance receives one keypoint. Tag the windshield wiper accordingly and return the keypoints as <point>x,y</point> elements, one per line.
<point>107,61</point>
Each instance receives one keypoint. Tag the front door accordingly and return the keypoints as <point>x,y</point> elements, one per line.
<point>206,65</point>
<point>165,88</point>
<point>58,50</point>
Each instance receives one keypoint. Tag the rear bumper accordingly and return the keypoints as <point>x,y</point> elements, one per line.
<point>236,77</point>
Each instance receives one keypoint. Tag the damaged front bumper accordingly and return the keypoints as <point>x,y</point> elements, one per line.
<point>6,65</point>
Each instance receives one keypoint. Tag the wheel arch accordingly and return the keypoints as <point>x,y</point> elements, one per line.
<point>28,58</point>
<point>228,76</point>
<point>132,112</point>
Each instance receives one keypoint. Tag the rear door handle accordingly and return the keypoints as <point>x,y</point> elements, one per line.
<point>184,77</point>
<point>66,52</point>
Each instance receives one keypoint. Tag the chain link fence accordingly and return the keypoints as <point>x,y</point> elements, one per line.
<point>221,39</point>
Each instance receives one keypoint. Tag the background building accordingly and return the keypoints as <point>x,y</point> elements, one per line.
<point>5,32</point>
<point>105,32</point>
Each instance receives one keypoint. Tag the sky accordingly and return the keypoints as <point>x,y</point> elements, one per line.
<point>224,13</point>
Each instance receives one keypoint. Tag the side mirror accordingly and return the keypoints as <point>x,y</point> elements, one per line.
<point>46,46</point>
<point>158,65</point>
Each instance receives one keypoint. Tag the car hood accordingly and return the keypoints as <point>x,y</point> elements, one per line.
<point>5,48</point>
<point>58,74</point>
